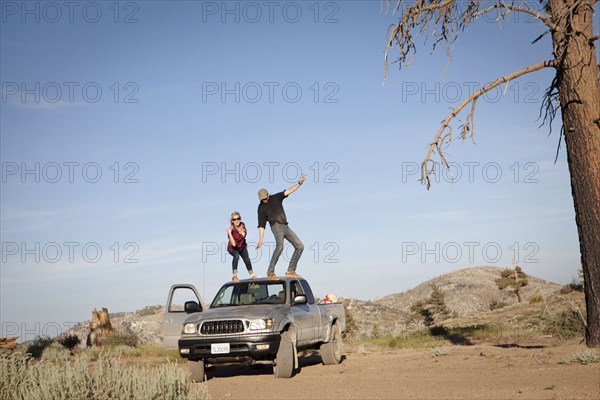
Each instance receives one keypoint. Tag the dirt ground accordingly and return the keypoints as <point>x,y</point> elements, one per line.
<point>465,372</point>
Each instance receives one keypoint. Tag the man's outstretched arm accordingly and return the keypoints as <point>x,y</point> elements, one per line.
<point>296,186</point>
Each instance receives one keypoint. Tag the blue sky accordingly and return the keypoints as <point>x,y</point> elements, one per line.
<point>126,145</point>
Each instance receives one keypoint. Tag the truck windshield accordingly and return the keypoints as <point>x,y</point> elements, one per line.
<point>249,293</point>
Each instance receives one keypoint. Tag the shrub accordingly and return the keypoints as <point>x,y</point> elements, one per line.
<point>375,332</point>
<point>576,285</point>
<point>127,352</point>
<point>585,357</point>
<point>70,342</point>
<point>148,310</point>
<point>350,324</point>
<point>438,352</point>
<point>566,289</point>
<point>56,353</point>
<point>417,339</point>
<point>108,378</point>
<point>536,298</point>
<point>36,349</point>
<point>130,339</point>
<point>433,309</point>
<point>124,351</point>
<point>496,305</point>
<point>565,324</point>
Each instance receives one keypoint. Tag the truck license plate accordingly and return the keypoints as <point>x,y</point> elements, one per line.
<point>219,348</point>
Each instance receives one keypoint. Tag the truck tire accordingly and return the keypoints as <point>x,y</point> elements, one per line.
<point>283,367</point>
<point>331,352</point>
<point>196,369</point>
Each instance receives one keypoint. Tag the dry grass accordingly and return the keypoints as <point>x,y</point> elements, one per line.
<point>143,354</point>
<point>80,378</point>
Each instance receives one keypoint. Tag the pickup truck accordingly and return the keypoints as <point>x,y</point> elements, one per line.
<point>256,321</point>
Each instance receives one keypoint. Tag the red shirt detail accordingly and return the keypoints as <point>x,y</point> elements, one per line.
<point>240,241</point>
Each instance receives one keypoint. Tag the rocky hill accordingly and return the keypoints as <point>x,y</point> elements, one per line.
<point>468,292</point>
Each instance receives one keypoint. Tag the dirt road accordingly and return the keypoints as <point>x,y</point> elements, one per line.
<point>465,372</point>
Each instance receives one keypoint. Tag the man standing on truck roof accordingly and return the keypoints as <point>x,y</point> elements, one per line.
<point>270,209</point>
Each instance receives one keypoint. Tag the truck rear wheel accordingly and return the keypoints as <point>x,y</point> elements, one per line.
<point>196,369</point>
<point>331,352</point>
<point>283,367</point>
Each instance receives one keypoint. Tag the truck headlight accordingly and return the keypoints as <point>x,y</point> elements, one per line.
<point>189,328</point>
<point>259,324</point>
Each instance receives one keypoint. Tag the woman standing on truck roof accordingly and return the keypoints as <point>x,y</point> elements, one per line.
<point>237,245</point>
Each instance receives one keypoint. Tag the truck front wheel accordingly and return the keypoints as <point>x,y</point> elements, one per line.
<point>196,369</point>
<point>283,367</point>
<point>331,352</point>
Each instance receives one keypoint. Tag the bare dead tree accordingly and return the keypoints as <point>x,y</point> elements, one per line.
<point>574,90</point>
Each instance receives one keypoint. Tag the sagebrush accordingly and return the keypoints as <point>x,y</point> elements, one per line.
<point>584,357</point>
<point>108,378</point>
<point>564,325</point>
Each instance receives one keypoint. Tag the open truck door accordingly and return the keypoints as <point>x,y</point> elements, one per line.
<point>182,301</point>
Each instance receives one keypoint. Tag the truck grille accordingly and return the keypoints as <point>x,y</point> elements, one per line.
<point>219,327</point>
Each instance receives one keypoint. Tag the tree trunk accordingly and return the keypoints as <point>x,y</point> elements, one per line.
<point>579,96</point>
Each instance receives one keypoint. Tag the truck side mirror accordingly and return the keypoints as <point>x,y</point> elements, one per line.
<point>191,307</point>
<point>300,299</point>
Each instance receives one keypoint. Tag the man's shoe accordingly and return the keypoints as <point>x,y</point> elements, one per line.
<point>273,277</point>
<point>254,276</point>
<point>293,274</point>
<point>235,279</point>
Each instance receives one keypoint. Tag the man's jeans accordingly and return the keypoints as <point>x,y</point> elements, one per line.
<point>281,231</point>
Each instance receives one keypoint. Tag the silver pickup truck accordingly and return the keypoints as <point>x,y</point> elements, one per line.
<point>257,320</point>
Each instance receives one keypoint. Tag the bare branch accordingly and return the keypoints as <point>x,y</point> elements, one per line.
<point>444,20</point>
<point>417,14</point>
<point>467,128</point>
<point>511,7</point>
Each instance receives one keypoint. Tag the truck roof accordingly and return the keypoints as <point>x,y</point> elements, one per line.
<point>281,278</point>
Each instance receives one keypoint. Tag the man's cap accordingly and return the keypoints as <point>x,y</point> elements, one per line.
<point>263,194</point>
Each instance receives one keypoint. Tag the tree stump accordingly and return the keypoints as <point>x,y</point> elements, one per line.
<point>100,327</point>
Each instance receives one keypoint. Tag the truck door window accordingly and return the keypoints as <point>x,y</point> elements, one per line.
<point>179,297</point>
<point>310,298</point>
<point>295,290</point>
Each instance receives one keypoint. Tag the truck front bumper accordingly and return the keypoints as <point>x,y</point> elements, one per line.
<point>241,347</point>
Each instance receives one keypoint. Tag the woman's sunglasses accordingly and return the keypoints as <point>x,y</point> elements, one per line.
<point>236,219</point>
